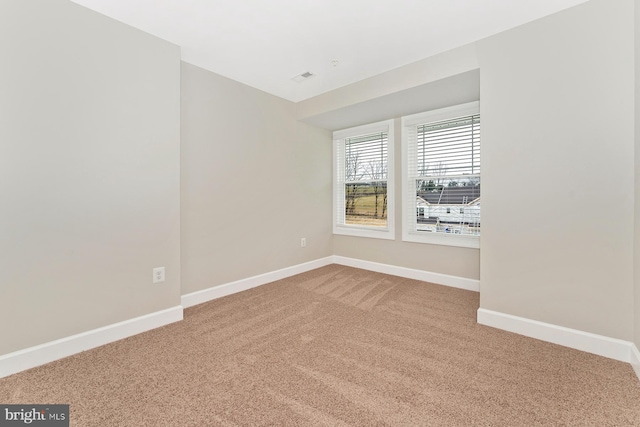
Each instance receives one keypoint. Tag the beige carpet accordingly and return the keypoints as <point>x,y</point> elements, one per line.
<point>335,346</point>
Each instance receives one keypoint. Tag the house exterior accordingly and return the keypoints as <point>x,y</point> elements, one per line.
<point>450,210</point>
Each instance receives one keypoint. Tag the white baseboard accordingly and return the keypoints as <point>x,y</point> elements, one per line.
<point>410,273</point>
<point>592,343</point>
<point>635,355</point>
<point>48,352</point>
<point>635,359</point>
<point>198,297</point>
<point>31,357</point>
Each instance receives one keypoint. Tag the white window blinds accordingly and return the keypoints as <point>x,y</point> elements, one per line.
<point>366,158</point>
<point>449,150</point>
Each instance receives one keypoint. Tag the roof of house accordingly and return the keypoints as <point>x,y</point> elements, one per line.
<point>452,196</point>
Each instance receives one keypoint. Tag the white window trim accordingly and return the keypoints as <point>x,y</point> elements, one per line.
<point>408,188</point>
<point>387,232</point>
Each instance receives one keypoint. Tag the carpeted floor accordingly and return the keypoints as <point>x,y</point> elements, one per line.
<point>335,346</point>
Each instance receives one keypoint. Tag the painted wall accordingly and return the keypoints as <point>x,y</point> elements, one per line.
<point>636,233</point>
<point>254,182</point>
<point>89,172</point>
<point>558,139</point>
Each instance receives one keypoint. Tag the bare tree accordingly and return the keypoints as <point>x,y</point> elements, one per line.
<point>353,172</point>
<point>438,171</point>
<point>377,172</point>
<point>473,181</point>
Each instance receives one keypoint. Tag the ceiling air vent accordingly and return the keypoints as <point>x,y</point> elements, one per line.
<point>302,77</point>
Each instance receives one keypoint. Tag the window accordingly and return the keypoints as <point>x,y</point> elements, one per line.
<point>363,181</point>
<point>441,176</point>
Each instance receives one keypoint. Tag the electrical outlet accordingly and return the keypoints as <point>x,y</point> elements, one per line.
<point>158,274</point>
<point>303,242</point>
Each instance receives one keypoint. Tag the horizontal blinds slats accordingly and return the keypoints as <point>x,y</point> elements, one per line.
<point>460,177</point>
<point>459,122</point>
<point>451,137</point>
<point>366,157</point>
<point>448,147</point>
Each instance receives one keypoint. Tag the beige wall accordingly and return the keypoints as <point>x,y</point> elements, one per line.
<point>254,181</point>
<point>636,254</point>
<point>89,172</point>
<point>558,169</point>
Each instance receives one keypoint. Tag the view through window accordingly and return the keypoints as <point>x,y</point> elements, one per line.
<point>366,180</point>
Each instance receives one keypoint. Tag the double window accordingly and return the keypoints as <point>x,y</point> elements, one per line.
<point>363,181</point>
<point>440,178</point>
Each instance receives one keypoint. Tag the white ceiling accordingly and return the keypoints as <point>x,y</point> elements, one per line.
<point>265,43</point>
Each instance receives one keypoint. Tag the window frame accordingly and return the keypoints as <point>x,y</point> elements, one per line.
<point>408,123</point>
<point>339,138</point>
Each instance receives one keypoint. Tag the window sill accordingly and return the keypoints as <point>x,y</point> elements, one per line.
<point>370,232</point>
<point>443,239</point>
